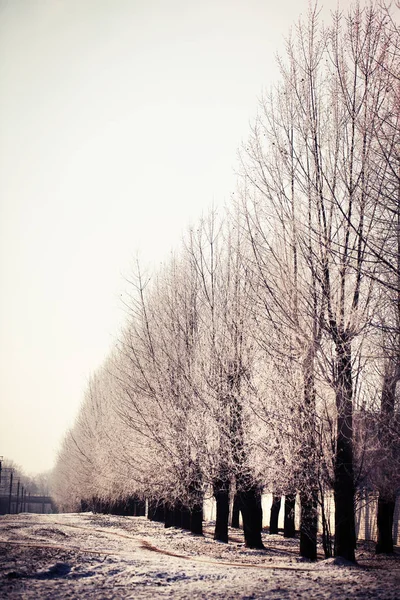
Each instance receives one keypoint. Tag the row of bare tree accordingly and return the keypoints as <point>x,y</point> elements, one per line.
<point>265,354</point>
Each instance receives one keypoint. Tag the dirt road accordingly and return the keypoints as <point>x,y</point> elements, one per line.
<point>109,557</point>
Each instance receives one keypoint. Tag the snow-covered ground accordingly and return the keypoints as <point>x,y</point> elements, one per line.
<point>110,557</point>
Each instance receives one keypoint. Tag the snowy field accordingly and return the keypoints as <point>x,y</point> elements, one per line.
<point>110,557</point>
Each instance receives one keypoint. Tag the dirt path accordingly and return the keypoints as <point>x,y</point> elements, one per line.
<point>102,557</point>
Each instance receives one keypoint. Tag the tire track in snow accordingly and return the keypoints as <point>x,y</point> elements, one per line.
<point>54,547</point>
<point>145,545</point>
<point>148,546</point>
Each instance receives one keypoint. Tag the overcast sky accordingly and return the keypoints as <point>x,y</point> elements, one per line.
<point>119,124</point>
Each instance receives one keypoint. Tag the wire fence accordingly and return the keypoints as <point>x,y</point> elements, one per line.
<point>16,497</point>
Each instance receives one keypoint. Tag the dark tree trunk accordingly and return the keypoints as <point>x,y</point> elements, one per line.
<point>168,516</point>
<point>196,521</point>
<point>159,512</point>
<point>151,510</point>
<point>115,508</point>
<point>196,495</point>
<point>308,460</point>
<point>250,507</point>
<point>177,514</point>
<point>387,442</point>
<point>236,439</point>
<point>289,529</point>
<point>155,511</point>
<point>141,508</point>
<point>235,512</point>
<point>221,495</point>
<point>275,508</point>
<point>326,528</point>
<point>100,506</point>
<point>186,517</point>
<point>137,507</point>
<point>385,525</point>
<point>308,525</point>
<point>130,506</point>
<point>248,494</point>
<point>345,537</point>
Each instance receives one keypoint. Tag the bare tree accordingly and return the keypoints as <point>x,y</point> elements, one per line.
<point>313,207</point>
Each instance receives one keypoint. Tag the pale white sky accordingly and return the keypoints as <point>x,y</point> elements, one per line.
<point>119,124</point>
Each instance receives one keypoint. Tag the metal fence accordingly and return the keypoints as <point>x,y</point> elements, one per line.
<point>15,497</point>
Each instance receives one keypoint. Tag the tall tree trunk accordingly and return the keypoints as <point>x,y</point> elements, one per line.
<point>236,441</point>
<point>151,510</point>
<point>177,514</point>
<point>168,516</point>
<point>345,536</point>
<point>387,443</point>
<point>308,524</point>
<point>251,509</point>
<point>196,495</point>
<point>141,508</point>
<point>385,518</point>
<point>186,517</point>
<point>274,517</point>
<point>159,514</point>
<point>289,529</point>
<point>130,506</point>
<point>248,493</point>
<point>326,528</point>
<point>196,521</point>
<point>309,477</point>
<point>221,495</point>
<point>235,512</point>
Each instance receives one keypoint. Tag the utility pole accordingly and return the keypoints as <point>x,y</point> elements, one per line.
<point>17,505</point>
<point>9,497</point>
